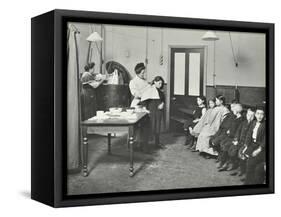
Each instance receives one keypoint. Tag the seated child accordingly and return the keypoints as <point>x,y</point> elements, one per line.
<point>197,115</point>
<point>228,138</point>
<point>209,126</point>
<point>216,139</point>
<point>235,151</point>
<point>255,143</point>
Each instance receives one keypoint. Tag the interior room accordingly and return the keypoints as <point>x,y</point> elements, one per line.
<point>192,63</point>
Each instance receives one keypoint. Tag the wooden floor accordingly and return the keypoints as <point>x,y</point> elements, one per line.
<point>173,167</point>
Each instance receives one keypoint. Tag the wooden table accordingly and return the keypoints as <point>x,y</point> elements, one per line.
<point>110,126</point>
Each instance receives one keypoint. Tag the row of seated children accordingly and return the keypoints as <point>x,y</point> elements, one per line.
<point>238,144</point>
<point>208,125</point>
<point>241,145</point>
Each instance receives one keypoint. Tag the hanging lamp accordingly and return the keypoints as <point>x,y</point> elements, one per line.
<point>210,36</point>
<point>94,37</point>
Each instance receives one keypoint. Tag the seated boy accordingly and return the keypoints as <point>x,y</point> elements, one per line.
<point>255,143</point>
<point>235,151</point>
<point>230,134</point>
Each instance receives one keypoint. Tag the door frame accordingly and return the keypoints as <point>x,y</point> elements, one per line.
<point>170,47</point>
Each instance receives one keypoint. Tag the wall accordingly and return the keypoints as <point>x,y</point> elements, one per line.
<point>250,53</point>
<point>127,45</point>
<point>130,45</point>
<point>249,96</point>
<point>249,50</point>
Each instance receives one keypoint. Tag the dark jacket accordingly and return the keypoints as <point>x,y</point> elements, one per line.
<point>231,132</point>
<point>242,131</point>
<point>260,140</point>
<point>197,113</point>
<point>225,125</point>
<point>156,115</point>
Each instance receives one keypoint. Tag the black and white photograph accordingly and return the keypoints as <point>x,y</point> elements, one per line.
<point>140,108</point>
<point>159,108</point>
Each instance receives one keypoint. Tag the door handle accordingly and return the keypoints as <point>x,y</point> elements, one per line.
<point>174,98</point>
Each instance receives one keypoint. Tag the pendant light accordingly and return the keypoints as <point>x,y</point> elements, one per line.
<point>93,38</point>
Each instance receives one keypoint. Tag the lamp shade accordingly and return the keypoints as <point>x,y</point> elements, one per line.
<point>94,37</point>
<point>210,36</point>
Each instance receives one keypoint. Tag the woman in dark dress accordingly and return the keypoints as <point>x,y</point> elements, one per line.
<point>90,81</point>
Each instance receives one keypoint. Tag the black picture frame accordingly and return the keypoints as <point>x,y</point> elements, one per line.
<point>48,69</point>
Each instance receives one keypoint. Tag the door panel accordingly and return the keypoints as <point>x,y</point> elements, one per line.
<point>179,74</point>
<point>194,74</point>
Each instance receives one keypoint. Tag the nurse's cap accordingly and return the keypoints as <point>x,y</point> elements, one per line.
<point>139,67</point>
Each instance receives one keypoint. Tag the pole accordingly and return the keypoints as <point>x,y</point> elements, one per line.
<point>78,95</point>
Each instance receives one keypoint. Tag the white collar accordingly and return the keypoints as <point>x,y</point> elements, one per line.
<point>140,78</point>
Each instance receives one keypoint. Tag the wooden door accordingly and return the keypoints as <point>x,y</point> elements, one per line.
<point>187,71</point>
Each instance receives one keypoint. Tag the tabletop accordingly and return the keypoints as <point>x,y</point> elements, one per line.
<point>118,121</point>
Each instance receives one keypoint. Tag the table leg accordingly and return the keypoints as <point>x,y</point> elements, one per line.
<point>131,147</point>
<point>109,143</point>
<point>85,156</point>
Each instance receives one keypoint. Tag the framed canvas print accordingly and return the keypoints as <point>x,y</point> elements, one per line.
<point>134,108</point>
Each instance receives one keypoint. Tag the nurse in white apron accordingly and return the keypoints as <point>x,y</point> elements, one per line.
<point>138,84</point>
<point>141,91</point>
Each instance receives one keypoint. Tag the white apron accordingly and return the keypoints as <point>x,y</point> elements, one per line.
<point>142,90</point>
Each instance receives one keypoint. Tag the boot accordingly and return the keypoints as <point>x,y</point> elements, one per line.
<point>193,146</point>
<point>223,168</point>
<point>234,173</point>
<point>157,142</point>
